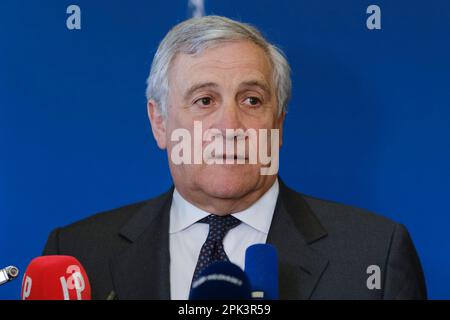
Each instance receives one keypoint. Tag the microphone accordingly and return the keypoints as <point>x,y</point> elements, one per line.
<point>221,280</point>
<point>261,267</point>
<point>8,273</point>
<point>55,278</point>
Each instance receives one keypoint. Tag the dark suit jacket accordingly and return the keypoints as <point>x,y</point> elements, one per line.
<point>324,250</point>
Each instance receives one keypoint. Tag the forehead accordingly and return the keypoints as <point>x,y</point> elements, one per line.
<point>229,62</point>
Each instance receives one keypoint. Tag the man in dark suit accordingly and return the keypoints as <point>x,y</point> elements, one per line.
<point>224,76</point>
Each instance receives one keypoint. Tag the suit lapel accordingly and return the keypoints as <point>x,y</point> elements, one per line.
<point>294,227</point>
<point>142,270</point>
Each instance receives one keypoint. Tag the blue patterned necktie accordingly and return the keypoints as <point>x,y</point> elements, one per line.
<point>212,250</point>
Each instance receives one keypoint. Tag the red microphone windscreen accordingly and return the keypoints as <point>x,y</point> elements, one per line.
<point>55,278</point>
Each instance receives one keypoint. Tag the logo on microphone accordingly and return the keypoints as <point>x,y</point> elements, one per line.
<point>74,281</point>
<point>26,285</point>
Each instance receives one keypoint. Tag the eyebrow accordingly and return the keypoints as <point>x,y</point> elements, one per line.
<point>257,83</point>
<point>251,83</point>
<point>199,86</point>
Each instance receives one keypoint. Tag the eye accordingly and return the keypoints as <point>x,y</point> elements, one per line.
<point>204,102</point>
<point>253,101</point>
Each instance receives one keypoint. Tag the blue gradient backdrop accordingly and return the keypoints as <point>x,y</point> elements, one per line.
<point>368,124</point>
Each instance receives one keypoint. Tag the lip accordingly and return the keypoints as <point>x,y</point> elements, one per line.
<point>225,157</point>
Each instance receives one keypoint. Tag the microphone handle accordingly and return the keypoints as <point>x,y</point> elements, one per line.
<point>112,295</point>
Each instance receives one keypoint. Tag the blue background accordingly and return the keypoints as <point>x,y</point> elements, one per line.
<point>368,124</point>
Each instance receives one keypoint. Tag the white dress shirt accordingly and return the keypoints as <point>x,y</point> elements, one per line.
<point>187,236</point>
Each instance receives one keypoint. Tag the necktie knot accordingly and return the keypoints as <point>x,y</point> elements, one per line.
<point>219,225</point>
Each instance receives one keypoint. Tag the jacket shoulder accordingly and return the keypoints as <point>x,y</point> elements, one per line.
<point>335,215</point>
<point>109,219</point>
<point>99,231</point>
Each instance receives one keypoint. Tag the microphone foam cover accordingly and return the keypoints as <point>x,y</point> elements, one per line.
<point>55,278</point>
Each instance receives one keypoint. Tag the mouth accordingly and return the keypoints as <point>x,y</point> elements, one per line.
<point>231,156</point>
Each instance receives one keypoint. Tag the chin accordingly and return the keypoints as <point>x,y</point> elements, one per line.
<point>229,182</point>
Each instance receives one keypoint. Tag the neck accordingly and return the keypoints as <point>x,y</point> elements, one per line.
<point>225,206</point>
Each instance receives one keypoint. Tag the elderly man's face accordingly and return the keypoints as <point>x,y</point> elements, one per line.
<point>228,86</point>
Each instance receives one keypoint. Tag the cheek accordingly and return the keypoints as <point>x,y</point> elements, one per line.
<point>174,121</point>
<point>266,122</point>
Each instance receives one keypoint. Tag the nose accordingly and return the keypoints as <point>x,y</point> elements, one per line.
<point>228,117</point>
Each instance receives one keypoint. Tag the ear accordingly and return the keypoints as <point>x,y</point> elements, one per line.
<point>280,122</point>
<point>158,123</point>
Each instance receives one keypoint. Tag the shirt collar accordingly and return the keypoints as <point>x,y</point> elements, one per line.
<point>258,215</point>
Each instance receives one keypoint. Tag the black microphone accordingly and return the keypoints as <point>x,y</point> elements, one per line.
<point>221,280</point>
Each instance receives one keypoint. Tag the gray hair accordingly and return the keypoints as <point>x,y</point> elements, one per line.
<point>193,36</point>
